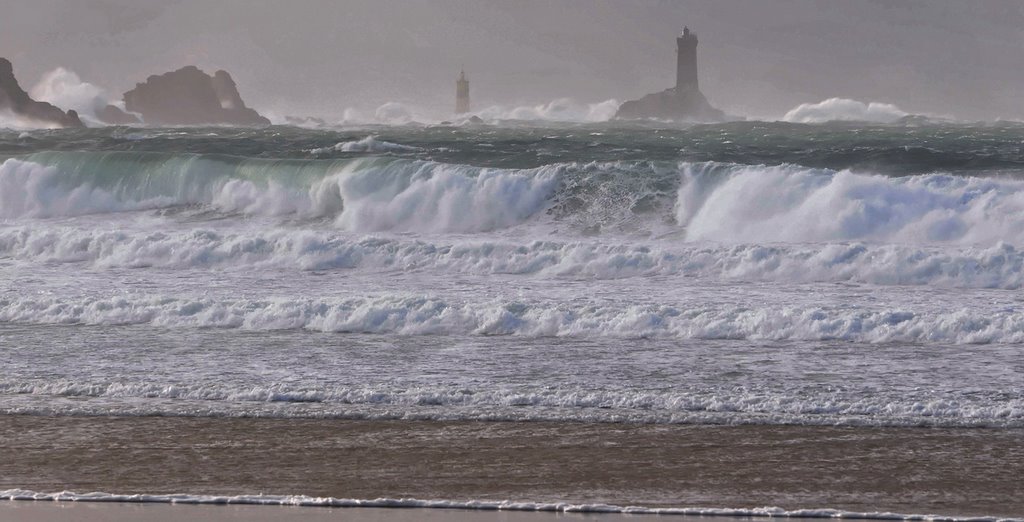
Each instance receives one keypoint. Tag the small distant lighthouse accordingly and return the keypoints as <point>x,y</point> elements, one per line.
<point>462,94</point>
<point>686,61</point>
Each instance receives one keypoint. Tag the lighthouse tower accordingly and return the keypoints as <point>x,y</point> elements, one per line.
<point>462,94</point>
<point>686,61</point>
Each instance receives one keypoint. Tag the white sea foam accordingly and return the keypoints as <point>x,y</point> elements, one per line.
<point>424,315</point>
<point>714,202</point>
<point>360,195</point>
<point>367,144</point>
<point>556,110</point>
<point>806,205</point>
<point>843,109</point>
<point>31,190</point>
<point>562,109</point>
<point>64,89</point>
<point>999,266</point>
<point>484,505</point>
<point>442,197</point>
<point>393,113</point>
<point>726,405</point>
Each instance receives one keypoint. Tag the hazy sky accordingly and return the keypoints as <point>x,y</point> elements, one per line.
<point>757,57</point>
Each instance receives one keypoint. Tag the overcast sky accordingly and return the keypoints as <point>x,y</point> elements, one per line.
<point>757,58</point>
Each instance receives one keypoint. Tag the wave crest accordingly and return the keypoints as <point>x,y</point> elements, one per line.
<point>739,204</point>
<point>844,109</point>
<point>699,202</point>
<point>367,144</point>
<point>424,315</point>
<point>999,266</point>
<point>369,194</point>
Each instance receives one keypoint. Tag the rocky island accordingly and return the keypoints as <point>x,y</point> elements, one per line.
<point>15,100</point>
<point>189,96</point>
<point>684,102</point>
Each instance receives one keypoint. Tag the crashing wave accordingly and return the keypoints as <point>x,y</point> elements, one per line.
<point>63,88</point>
<point>714,405</point>
<point>717,202</point>
<point>426,315</point>
<point>367,194</point>
<point>367,144</point>
<point>844,109</point>
<point>742,203</point>
<point>999,266</point>
<point>562,109</point>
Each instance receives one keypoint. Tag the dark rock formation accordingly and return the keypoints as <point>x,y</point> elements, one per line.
<point>111,115</point>
<point>18,102</point>
<point>684,102</point>
<point>688,105</point>
<point>189,96</point>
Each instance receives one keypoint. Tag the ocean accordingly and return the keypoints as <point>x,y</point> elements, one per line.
<point>754,275</point>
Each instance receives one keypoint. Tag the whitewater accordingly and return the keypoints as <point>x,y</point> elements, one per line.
<point>746,273</point>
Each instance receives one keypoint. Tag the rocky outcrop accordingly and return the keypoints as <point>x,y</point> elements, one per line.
<point>16,101</point>
<point>112,115</point>
<point>189,96</point>
<point>684,102</point>
<point>687,105</point>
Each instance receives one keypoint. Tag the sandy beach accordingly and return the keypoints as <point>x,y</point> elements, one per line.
<point>906,470</point>
<point>118,512</point>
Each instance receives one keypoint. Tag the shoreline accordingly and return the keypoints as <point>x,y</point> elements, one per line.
<point>941,471</point>
<point>442,508</point>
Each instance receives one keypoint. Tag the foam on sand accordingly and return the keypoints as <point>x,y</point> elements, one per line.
<point>482,505</point>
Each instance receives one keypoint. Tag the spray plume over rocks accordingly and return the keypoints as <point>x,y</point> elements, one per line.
<point>23,109</point>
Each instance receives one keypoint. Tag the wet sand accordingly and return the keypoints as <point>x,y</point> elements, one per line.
<point>905,470</point>
<point>122,512</point>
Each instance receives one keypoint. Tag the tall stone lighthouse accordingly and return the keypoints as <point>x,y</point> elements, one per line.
<point>686,61</point>
<point>462,94</point>
<point>684,101</point>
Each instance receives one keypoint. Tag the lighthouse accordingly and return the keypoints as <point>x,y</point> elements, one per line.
<point>686,61</point>
<point>462,94</point>
<point>684,101</point>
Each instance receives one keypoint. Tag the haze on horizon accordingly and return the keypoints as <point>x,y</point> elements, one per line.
<point>757,58</point>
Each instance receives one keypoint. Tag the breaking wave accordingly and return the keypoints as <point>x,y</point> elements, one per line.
<point>63,88</point>
<point>426,315</point>
<point>699,202</point>
<point>739,203</point>
<point>393,113</point>
<point>999,266</point>
<point>366,194</point>
<point>367,144</point>
<point>709,406</point>
<point>562,109</point>
<point>843,109</point>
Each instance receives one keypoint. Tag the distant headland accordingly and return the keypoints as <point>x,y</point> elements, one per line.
<point>682,102</point>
